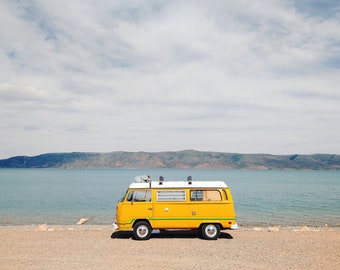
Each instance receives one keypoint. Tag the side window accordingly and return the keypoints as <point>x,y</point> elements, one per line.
<point>143,195</point>
<point>196,195</point>
<point>226,195</point>
<point>171,195</point>
<point>205,195</point>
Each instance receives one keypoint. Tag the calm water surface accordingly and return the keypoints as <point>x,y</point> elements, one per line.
<point>56,196</point>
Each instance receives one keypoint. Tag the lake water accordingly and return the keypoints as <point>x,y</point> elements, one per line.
<point>57,196</point>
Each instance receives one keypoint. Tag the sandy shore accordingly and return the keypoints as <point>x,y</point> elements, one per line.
<point>99,247</point>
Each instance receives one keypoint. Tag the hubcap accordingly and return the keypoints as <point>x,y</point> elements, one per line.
<point>142,231</point>
<point>211,230</point>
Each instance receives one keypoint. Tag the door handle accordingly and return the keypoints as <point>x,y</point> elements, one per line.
<point>150,208</point>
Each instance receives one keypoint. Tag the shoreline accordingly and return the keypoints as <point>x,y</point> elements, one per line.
<point>85,227</point>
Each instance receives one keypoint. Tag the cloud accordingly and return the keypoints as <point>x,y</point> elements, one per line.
<point>169,75</point>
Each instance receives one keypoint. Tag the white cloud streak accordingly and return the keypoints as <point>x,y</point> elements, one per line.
<point>169,75</point>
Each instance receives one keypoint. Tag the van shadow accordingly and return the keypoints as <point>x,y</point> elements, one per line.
<point>169,234</point>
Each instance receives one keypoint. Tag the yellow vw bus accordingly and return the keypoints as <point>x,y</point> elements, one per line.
<point>148,205</point>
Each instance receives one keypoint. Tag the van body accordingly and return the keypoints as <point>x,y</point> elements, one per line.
<point>204,205</point>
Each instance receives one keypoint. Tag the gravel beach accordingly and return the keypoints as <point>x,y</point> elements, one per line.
<point>100,247</point>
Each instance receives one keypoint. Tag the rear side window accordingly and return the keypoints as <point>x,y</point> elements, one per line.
<point>205,195</point>
<point>143,195</point>
<point>171,195</point>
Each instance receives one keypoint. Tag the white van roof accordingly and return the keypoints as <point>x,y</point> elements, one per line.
<point>180,184</point>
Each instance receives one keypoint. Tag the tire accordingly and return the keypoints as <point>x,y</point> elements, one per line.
<point>142,230</point>
<point>210,231</point>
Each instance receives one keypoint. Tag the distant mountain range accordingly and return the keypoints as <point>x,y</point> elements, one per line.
<point>181,159</point>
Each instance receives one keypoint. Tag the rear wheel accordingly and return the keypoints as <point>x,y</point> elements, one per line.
<point>210,231</point>
<point>142,230</point>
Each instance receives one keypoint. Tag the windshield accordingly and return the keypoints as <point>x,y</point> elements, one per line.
<point>122,198</point>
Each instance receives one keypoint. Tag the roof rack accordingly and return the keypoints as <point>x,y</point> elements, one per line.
<point>161,180</point>
<point>189,180</point>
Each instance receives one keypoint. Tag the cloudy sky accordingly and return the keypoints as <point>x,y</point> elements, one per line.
<point>229,76</point>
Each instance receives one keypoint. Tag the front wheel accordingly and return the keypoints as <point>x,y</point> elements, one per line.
<point>142,230</point>
<point>210,231</point>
